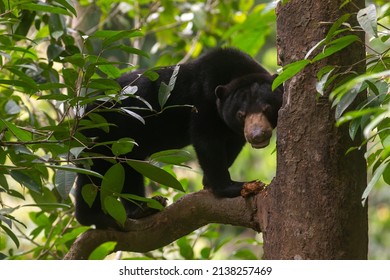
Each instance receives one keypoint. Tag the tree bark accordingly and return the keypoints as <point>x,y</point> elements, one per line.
<point>314,209</point>
<point>186,215</point>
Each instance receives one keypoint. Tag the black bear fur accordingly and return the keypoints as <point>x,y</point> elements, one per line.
<point>232,104</point>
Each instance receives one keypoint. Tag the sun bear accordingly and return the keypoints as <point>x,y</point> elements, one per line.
<point>231,103</point>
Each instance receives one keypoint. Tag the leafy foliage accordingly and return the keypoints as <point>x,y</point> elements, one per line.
<point>57,57</point>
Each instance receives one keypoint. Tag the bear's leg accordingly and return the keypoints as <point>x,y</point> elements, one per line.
<point>215,155</point>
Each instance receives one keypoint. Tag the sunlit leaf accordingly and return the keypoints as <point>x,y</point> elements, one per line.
<point>72,168</point>
<point>347,99</point>
<point>21,134</point>
<point>68,5</point>
<point>43,7</point>
<point>367,20</point>
<point>289,71</point>
<point>115,209</point>
<point>375,177</point>
<point>116,36</point>
<point>102,251</point>
<point>122,146</point>
<point>335,27</point>
<point>133,114</point>
<point>165,90</point>
<point>113,179</point>
<point>104,84</point>
<point>11,235</point>
<point>336,46</point>
<point>171,156</point>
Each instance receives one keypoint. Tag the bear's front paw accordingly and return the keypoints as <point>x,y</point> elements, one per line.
<point>252,188</point>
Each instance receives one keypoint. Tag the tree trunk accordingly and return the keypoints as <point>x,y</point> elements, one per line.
<point>314,203</point>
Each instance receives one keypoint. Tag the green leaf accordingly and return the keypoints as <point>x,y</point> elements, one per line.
<point>349,116</point>
<point>122,146</point>
<point>102,251</point>
<point>151,74</point>
<point>345,87</point>
<point>386,174</point>
<point>152,203</point>
<point>165,90</point>
<point>375,177</point>
<point>11,235</point>
<point>129,90</point>
<point>119,35</point>
<point>53,51</point>
<point>155,174</point>
<point>335,26</point>
<point>347,99</point>
<point>336,46</point>
<point>104,84</point>
<point>12,108</point>
<point>373,124</point>
<point>89,193</point>
<point>130,50</point>
<point>245,254</point>
<point>367,20</point>
<point>133,114</point>
<point>185,248</point>
<point>71,235</point>
<point>57,26</point>
<point>289,71</point>
<point>42,7</point>
<point>26,180</point>
<point>21,134</point>
<point>64,181</point>
<point>322,83</point>
<point>176,157</point>
<point>115,209</point>
<point>76,59</point>
<point>163,94</point>
<point>113,179</point>
<point>100,121</point>
<point>68,5</point>
<point>72,168</point>
<point>51,86</point>
<point>110,70</point>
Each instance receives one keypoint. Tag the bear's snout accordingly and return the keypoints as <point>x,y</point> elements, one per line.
<point>257,130</point>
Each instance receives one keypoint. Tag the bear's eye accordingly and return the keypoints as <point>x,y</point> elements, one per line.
<point>240,115</point>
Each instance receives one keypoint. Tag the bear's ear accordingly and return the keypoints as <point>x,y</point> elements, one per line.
<point>221,92</point>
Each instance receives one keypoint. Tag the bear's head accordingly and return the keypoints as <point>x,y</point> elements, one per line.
<point>249,106</point>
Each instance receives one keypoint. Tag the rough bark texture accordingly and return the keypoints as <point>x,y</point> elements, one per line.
<point>314,204</point>
<point>186,215</point>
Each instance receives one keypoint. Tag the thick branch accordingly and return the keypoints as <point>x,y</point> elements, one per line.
<point>186,215</point>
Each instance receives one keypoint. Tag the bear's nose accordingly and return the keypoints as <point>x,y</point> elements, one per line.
<point>257,130</point>
<point>259,138</point>
<point>260,135</point>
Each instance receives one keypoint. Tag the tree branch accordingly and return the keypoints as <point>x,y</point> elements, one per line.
<point>189,213</point>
